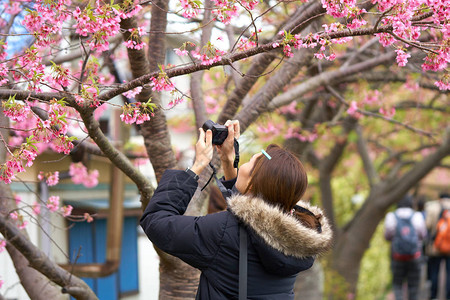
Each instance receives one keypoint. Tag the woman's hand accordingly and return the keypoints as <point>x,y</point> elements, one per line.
<point>203,151</point>
<point>226,150</point>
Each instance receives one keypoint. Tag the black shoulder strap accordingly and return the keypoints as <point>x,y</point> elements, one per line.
<point>242,263</point>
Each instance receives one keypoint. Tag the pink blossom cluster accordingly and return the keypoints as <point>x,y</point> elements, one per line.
<point>66,210</point>
<point>443,85</point>
<point>245,44</point>
<point>88,95</point>
<point>17,199</point>
<point>208,55</point>
<point>191,8</point>
<point>135,39</point>
<point>27,152</point>
<point>225,10</point>
<point>385,39</point>
<point>339,8</point>
<point>13,8</point>
<point>53,203</point>
<point>128,9</point>
<point>31,69</point>
<point>353,110</point>
<point>88,217</point>
<point>437,62</point>
<point>46,19</point>
<point>212,106</point>
<point>175,102</point>
<point>372,97</point>
<point>310,41</point>
<point>62,144</point>
<point>400,16</point>
<point>132,93</point>
<point>58,77</point>
<point>3,66</point>
<point>135,113</point>
<point>384,5</point>
<point>162,83</point>
<point>181,52</point>
<point>269,130</point>
<point>80,175</point>
<point>249,4</point>
<point>51,178</point>
<point>289,109</point>
<point>132,44</point>
<point>16,111</point>
<point>36,208</point>
<point>101,22</point>
<point>100,110</point>
<point>21,222</point>
<point>303,136</point>
<point>402,57</point>
<point>387,112</point>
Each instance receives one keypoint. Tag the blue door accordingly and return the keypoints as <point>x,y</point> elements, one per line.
<point>87,244</point>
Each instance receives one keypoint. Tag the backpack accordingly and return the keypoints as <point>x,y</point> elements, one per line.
<point>442,237</point>
<point>405,244</point>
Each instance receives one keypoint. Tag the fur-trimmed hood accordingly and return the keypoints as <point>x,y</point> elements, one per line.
<point>282,231</point>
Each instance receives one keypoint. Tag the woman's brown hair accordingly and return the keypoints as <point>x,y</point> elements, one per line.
<point>281,181</point>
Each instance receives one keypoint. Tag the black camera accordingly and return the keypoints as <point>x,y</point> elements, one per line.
<point>220,132</point>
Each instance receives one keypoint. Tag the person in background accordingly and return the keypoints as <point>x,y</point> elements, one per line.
<point>434,210</point>
<point>406,230</point>
<point>284,233</point>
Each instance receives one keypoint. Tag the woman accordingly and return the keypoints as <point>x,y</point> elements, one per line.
<point>283,238</point>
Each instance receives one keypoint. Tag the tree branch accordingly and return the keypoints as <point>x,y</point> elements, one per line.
<point>399,187</point>
<point>39,261</point>
<point>367,162</point>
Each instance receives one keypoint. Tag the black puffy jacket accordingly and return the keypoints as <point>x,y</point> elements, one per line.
<point>279,247</point>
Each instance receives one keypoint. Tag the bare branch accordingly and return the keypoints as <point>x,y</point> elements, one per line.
<point>367,162</point>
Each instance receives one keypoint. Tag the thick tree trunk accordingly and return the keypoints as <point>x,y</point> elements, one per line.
<point>353,241</point>
<point>35,284</point>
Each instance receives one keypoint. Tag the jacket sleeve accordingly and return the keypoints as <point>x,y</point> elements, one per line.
<point>195,240</point>
<point>389,226</point>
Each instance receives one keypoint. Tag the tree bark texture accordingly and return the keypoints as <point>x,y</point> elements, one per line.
<point>180,280</point>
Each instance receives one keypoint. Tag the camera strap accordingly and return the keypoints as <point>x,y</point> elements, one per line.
<point>222,188</point>
<point>236,154</point>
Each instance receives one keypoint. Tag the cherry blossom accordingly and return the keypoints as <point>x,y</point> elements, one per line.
<point>80,175</point>
<point>402,57</point>
<point>88,217</point>
<point>36,208</point>
<point>17,199</point>
<point>387,112</point>
<point>53,203</point>
<point>51,178</point>
<point>66,210</point>
<point>353,109</point>
<point>21,223</point>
